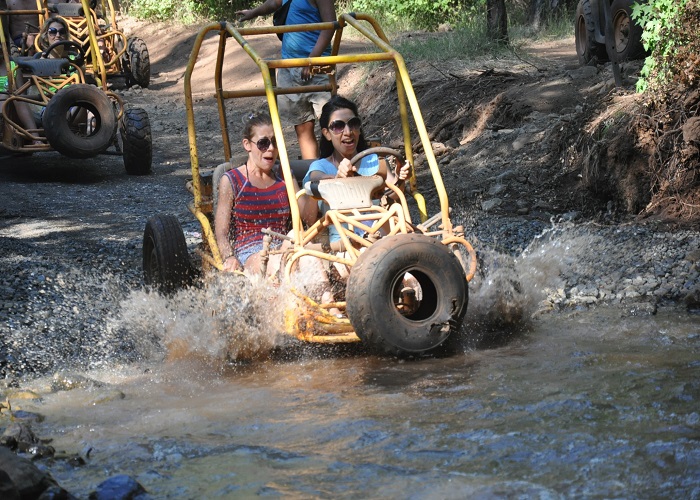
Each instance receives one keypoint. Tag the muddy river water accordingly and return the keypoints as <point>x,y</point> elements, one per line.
<point>597,404</point>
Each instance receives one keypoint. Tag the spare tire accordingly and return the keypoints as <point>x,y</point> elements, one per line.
<point>378,277</point>
<point>79,121</point>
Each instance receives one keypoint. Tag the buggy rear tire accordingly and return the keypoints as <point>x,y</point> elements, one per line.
<point>627,33</point>
<point>138,67</point>
<point>584,32</point>
<point>68,137</point>
<point>166,261</point>
<point>137,144</point>
<point>376,280</point>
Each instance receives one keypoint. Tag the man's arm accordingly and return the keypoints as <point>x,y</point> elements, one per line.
<point>326,9</point>
<point>264,9</point>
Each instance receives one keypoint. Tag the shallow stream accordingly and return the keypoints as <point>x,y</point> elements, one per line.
<point>595,403</point>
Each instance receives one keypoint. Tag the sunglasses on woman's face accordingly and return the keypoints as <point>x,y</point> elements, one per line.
<point>57,31</point>
<point>265,143</point>
<point>338,126</point>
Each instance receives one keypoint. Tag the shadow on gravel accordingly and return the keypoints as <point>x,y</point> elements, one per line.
<point>45,168</point>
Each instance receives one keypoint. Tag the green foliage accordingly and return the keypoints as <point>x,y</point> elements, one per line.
<point>418,14</point>
<point>185,11</point>
<point>659,19</point>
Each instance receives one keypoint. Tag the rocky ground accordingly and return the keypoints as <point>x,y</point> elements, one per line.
<point>507,133</point>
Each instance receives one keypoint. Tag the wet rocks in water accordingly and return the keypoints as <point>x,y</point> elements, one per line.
<point>20,478</point>
<point>120,487</point>
<point>20,437</point>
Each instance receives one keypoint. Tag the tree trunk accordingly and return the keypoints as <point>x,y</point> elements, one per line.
<point>497,20</point>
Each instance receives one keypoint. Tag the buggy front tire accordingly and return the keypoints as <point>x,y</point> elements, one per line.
<point>79,121</point>
<point>166,261</point>
<point>377,279</point>
<point>137,142</point>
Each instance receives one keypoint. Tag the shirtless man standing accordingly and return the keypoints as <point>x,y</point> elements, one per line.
<point>24,25</point>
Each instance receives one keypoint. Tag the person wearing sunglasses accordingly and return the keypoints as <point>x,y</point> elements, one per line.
<point>342,138</point>
<point>54,29</point>
<point>253,197</point>
<point>301,109</point>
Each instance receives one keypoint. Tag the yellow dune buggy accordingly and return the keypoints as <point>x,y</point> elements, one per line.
<point>72,116</point>
<point>116,58</point>
<point>381,245</point>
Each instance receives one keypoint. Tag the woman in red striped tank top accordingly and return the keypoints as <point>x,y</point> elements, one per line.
<point>253,197</point>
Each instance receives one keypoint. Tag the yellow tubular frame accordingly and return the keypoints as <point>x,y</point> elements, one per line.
<point>398,213</point>
<point>97,65</point>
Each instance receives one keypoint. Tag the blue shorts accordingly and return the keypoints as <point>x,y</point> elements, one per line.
<point>245,254</point>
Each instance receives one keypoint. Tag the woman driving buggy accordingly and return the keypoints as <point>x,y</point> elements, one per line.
<point>342,139</point>
<point>253,197</point>
<point>54,29</point>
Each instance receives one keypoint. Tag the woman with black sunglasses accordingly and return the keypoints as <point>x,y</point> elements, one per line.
<point>253,197</point>
<point>54,29</point>
<point>342,138</point>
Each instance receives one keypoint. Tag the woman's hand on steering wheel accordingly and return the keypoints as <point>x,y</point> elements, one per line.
<point>403,168</point>
<point>346,169</point>
<point>78,61</point>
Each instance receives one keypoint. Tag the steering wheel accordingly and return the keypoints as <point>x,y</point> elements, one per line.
<point>78,61</point>
<point>380,151</point>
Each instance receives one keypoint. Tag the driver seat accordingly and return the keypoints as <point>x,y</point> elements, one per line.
<point>43,67</point>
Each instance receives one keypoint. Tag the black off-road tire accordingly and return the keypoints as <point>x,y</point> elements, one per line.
<point>137,142</point>
<point>584,30</point>
<point>166,261</point>
<point>377,277</point>
<point>627,33</point>
<point>138,63</point>
<point>62,134</point>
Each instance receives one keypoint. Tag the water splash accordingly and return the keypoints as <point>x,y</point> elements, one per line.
<point>229,318</point>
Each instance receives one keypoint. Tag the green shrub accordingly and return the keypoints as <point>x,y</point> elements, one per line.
<point>409,14</point>
<point>163,10</point>
<point>661,37</point>
<point>185,11</point>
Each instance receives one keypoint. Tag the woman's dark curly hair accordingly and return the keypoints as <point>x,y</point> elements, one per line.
<point>335,103</point>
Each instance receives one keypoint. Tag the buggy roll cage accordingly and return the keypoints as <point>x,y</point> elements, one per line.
<point>85,33</point>
<point>407,104</point>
